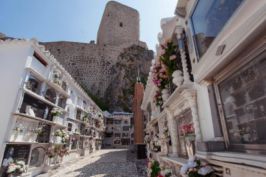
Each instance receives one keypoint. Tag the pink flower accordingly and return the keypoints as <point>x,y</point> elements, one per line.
<point>172,57</point>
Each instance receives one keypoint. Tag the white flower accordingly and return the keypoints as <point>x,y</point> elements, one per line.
<point>205,170</point>
<point>11,168</point>
<point>184,169</point>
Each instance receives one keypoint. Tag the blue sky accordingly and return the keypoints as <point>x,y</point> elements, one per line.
<point>75,20</point>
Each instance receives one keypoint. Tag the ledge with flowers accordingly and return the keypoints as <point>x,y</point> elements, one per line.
<point>170,167</point>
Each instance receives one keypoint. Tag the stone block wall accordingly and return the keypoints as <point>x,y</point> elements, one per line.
<point>120,24</point>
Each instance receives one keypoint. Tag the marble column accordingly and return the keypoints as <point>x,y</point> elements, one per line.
<point>181,46</point>
<point>163,139</point>
<point>172,126</point>
<point>192,101</point>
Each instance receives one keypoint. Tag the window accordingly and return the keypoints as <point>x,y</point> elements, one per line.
<point>78,115</point>
<point>125,135</point>
<point>40,109</point>
<point>74,143</point>
<point>33,84</point>
<point>62,101</point>
<point>117,121</point>
<point>208,19</point>
<point>69,127</point>
<point>40,59</point>
<point>109,121</point>
<point>125,128</point>
<point>243,102</point>
<point>125,141</point>
<point>121,24</point>
<point>50,95</point>
<point>117,141</point>
<point>117,134</point>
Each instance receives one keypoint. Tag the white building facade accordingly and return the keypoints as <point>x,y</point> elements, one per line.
<point>212,106</point>
<point>119,130</point>
<point>47,118</point>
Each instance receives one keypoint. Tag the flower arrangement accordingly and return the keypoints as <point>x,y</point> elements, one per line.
<point>38,130</point>
<point>56,112</point>
<point>160,77</point>
<point>85,118</point>
<point>155,169</point>
<point>18,130</point>
<point>16,168</point>
<point>77,132</point>
<point>50,152</point>
<point>187,129</point>
<point>196,168</point>
<point>63,134</point>
<point>158,99</point>
<point>166,172</point>
<point>169,57</point>
<point>163,69</point>
<point>57,151</point>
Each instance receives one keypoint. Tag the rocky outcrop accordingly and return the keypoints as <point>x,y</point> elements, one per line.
<point>119,94</point>
<point>108,73</point>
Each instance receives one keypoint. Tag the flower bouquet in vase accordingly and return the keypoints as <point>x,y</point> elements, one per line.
<point>187,131</point>
<point>58,136</point>
<point>56,113</point>
<point>16,168</point>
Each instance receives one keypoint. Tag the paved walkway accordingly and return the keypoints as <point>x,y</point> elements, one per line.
<point>103,163</point>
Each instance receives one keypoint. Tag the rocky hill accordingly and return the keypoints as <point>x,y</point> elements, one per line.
<point>108,73</point>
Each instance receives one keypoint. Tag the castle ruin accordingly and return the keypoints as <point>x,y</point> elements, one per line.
<point>108,69</point>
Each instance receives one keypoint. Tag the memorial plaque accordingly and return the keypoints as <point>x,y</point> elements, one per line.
<point>17,152</point>
<point>37,156</point>
<point>245,94</point>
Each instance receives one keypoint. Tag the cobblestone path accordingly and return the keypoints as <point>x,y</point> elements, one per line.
<point>103,163</point>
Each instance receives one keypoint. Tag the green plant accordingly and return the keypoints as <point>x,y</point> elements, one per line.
<point>63,134</point>
<point>85,118</point>
<point>169,58</point>
<point>155,169</point>
<point>56,111</point>
<point>100,102</point>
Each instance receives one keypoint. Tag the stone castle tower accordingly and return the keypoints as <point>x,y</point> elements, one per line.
<point>107,69</point>
<point>120,24</point>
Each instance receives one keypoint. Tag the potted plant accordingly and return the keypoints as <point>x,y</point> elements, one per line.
<point>16,168</point>
<point>55,152</point>
<point>85,118</point>
<point>58,136</point>
<point>56,113</point>
<point>61,136</point>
